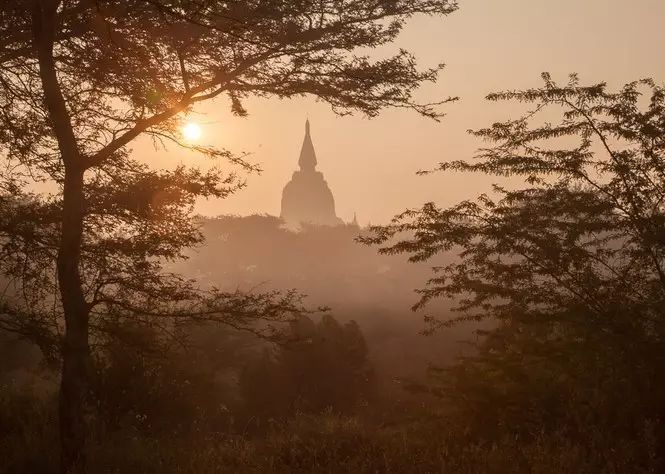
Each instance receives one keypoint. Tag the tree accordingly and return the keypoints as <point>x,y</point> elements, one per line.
<point>81,79</point>
<point>176,389</point>
<point>324,366</point>
<point>569,268</point>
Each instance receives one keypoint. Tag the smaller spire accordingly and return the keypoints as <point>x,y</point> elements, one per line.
<point>355,220</point>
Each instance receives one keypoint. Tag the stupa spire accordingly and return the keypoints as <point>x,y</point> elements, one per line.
<point>307,159</point>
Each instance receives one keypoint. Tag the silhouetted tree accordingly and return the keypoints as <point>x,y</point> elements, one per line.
<point>175,389</point>
<point>570,268</point>
<point>80,80</point>
<point>325,366</point>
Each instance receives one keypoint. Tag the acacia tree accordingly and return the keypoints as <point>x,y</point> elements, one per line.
<point>81,79</point>
<point>570,260</point>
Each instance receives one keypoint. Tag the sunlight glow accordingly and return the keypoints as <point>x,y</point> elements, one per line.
<point>192,132</point>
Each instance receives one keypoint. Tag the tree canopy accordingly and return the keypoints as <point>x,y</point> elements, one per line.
<point>585,233</point>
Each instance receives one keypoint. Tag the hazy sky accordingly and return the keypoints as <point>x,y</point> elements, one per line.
<point>487,45</point>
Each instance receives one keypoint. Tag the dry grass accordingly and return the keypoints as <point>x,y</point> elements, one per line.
<point>319,444</point>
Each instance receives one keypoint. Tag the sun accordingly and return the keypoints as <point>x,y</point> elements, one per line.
<point>191,131</point>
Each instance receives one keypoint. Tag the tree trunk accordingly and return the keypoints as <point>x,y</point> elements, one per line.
<point>75,378</point>
<point>74,385</point>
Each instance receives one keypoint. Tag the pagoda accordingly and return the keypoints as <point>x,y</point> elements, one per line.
<point>307,199</point>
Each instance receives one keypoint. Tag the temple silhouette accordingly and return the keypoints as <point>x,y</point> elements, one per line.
<point>307,199</point>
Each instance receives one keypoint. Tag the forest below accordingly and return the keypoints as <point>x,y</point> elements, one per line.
<point>358,361</point>
<point>356,386</point>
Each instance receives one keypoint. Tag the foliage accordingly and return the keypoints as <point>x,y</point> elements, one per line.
<point>324,366</point>
<point>181,389</point>
<point>569,270</point>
